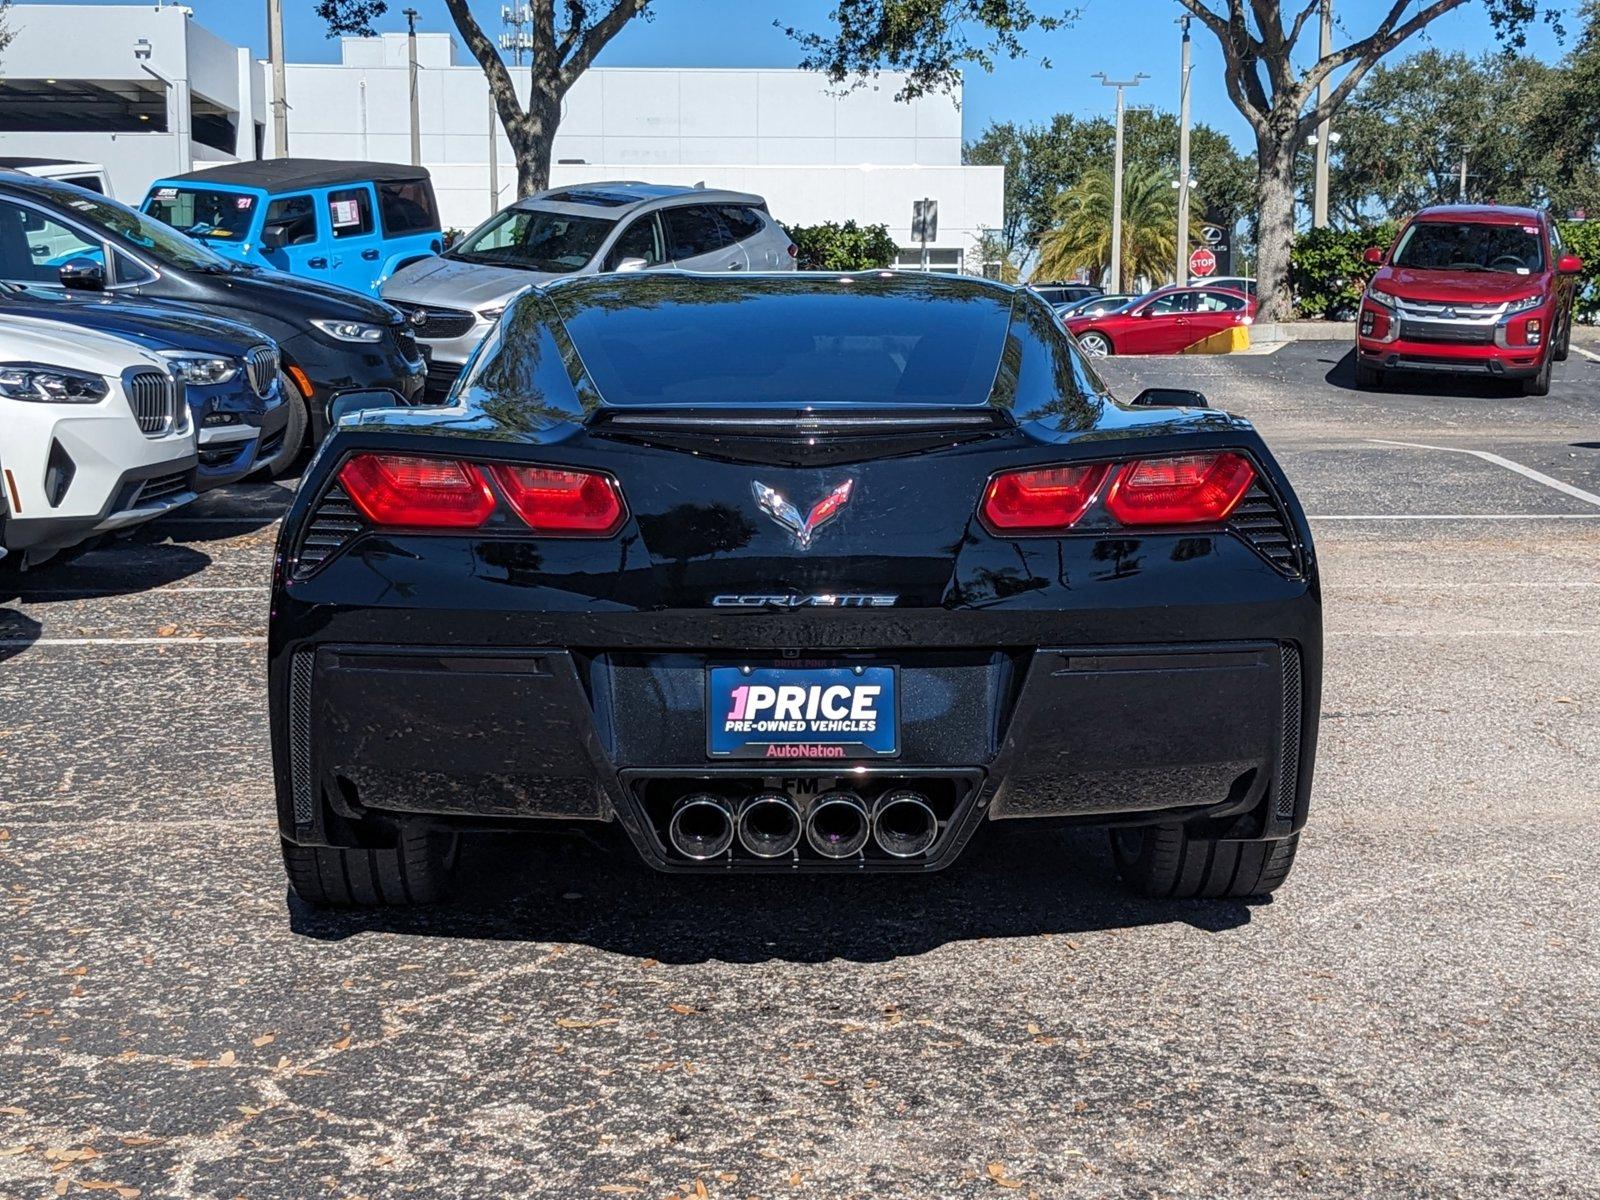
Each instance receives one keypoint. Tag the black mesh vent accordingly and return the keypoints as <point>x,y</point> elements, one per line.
<point>300,669</point>
<point>333,523</point>
<point>1261,521</point>
<point>1289,753</point>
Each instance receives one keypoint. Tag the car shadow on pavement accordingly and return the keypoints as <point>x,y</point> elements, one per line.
<point>18,631</point>
<point>1010,882</point>
<point>119,569</point>
<point>1342,375</point>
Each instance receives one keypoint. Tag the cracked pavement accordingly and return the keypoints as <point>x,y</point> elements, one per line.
<point>1417,1012</point>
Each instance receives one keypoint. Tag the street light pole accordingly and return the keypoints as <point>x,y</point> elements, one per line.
<point>280,102</point>
<point>1319,193</point>
<point>416,125</point>
<point>1181,276</point>
<point>1116,178</point>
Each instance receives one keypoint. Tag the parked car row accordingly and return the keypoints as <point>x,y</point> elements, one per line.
<point>1168,320</point>
<point>138,366</point>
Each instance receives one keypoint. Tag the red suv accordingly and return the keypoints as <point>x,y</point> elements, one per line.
<point>1469,290</point>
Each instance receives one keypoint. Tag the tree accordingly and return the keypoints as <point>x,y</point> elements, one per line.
<point>1403,136</point>
<point>847,247</point>
<point>5,31</point>
<point>1567,124</point>
<point>1042,161</point>
<point>933,38</point>
<point>1081,239</point>
<point>562,51</point>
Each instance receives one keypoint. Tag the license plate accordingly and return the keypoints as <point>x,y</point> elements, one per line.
<point>802,713</point>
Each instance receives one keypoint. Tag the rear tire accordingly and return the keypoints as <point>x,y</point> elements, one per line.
<point>1096,345</point>
<point>294,431</point>
<point>1539,385</point>
<point>417,871</point>
<point>1166,863</point>
<point>1368,378</point>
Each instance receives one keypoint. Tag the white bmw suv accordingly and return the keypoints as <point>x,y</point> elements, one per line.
<point>95,437</point>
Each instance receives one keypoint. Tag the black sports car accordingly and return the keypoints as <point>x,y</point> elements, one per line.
<point>792,573</point>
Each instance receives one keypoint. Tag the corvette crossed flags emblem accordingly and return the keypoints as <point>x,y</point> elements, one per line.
<point>802,529</point>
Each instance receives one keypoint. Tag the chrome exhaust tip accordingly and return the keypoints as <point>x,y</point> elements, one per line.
<point>838,825</point>
<point>903,825</point>
<point>769,825</point>
<point>701,826</point>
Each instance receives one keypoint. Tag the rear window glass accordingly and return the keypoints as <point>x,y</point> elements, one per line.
<point>407,207</point>
<point>877,343</point>
<point>202,212</point>
<point>535,240</point>
<point>1471,246</point>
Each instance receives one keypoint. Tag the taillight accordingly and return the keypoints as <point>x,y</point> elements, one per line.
<point>1046,498</point>
<point>1189,489</point>
<point>429,493</point>
<point>1193,489</point>
<point>563,503</point>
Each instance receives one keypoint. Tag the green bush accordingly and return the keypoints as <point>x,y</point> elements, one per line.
<point>1583,239</point>
<point>1327,271</point>
<point>847,247</point>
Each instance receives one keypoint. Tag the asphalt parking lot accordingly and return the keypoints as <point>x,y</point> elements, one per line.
<point>1417,1013</point>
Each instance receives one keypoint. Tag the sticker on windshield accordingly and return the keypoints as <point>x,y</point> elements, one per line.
<point>243,201</point>
<point>166,193</point>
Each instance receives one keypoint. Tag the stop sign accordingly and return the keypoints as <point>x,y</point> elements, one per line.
<point>1202,262</point>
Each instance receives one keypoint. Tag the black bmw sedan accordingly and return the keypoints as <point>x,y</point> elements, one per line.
<point>792,573</point>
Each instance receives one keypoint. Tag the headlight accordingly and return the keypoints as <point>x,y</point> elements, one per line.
<point>1525,304</point>
<point>201,369</point>
<point>491,314</point>
<point>51,385</point>
<point>1379,296</point>
<point>349,331</point>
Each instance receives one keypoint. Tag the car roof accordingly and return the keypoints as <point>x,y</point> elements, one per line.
<point>1483,214</point>
<point>623,195</point>
<point>286,174</point>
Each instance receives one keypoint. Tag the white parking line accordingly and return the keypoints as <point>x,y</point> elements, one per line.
<point>25,643</point>
<point>1565,489</point>
<point>1589,354</point>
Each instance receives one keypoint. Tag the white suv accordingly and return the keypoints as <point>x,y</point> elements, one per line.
<point>95,437</point>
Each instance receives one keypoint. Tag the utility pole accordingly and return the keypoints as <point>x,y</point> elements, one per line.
<point>494,155</point>
<point>1462,198</point>
<point>280,102</point>
<point>1115,283</point>
<point>411,48</point>
<point>1319,194</point>
<point>1182,274</point>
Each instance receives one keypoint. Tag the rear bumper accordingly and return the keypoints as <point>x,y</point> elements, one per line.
<point>510,734</point>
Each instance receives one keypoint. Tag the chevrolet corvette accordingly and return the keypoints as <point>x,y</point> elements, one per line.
<point>799,573</point>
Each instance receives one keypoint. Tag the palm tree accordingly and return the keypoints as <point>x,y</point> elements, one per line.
<point>1081,238</point>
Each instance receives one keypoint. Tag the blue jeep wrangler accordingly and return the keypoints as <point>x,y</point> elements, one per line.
<point>350,223</point>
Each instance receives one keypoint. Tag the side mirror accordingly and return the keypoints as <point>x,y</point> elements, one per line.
<point>1160,397</point>
<point>1372,256</point>
<point>82,275</point>
<point>272,237</point>
<point>345,403</point>
<point>1570,264</point>
<point>631,264</point>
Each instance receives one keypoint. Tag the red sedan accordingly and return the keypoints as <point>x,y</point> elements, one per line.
<point>1166,321</point>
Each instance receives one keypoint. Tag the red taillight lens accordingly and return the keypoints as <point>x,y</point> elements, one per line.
<point>1195,489</point>
<point>1038,500</point>
<point>430,493</point>
<point>563,503</point>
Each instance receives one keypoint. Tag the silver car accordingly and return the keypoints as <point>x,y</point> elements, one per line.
<point>453,299</point>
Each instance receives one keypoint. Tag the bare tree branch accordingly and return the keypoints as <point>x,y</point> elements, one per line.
<point>596,36</point>
<point>494,67</point>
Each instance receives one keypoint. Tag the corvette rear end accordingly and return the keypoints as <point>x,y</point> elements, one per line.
<point>791,573</point>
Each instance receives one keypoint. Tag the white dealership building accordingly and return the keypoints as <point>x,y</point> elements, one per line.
<point>148,92</point>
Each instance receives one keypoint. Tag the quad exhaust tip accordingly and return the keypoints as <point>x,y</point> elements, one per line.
<point>903,825</point>
<point>838,825</point>
<point>701,826</point>
<point>769,825</point>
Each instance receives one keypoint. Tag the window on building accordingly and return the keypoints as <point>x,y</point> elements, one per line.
<point>407,207</point>
<point>944,262</point>
<point>350,212</point>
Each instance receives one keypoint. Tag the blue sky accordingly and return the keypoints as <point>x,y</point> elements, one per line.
<point>1119,37</point>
